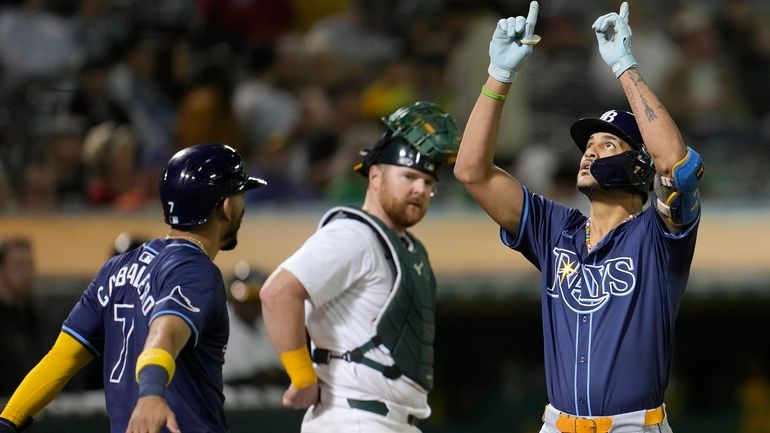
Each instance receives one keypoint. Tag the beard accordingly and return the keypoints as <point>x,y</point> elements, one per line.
<point>587,184</point>
<point>403,212</point>
<point>231,236</point>
<point>589,188</point>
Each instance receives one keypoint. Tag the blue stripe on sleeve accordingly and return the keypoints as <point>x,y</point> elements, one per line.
<point>683,234</point>
<point>147,247</point>
<point>82,340</point>
<point>505,236</point>
<point>181,316</point>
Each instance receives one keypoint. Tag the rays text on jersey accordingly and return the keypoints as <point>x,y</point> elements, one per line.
<point>587,288</point>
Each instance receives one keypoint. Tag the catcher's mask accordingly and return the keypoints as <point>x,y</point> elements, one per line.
<point>633,169</point>
<point>419,136</point>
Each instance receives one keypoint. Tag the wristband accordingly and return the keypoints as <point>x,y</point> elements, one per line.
<point>299,367</point>
<point>159,357</point>
<point>490,94</point>
<point>152,380</point>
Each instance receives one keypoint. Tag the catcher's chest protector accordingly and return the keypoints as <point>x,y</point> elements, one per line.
<point>406,324</point>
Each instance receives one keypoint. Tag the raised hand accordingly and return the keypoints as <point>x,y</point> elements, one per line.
<point>614,36</point>
<point>511,44</point>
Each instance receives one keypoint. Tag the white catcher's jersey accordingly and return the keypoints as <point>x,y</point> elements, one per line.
<point>348,278</point>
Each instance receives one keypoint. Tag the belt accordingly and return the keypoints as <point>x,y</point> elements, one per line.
<point>378,407</point>
<point>575,424</point>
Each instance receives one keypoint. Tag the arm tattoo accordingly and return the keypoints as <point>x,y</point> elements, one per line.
<point>649,112</point>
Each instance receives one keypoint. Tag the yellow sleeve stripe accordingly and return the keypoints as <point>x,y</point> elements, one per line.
<point>159,357</point>
<point>44,382</point>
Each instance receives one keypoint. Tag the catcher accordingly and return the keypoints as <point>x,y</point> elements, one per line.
<point>370,291</point>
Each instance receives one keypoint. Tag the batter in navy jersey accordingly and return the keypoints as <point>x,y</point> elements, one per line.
<point>612,281</point>
<point>156,314</point>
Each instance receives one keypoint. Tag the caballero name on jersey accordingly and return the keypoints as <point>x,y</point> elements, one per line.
<point>587,288</point>
<point>133,275</point>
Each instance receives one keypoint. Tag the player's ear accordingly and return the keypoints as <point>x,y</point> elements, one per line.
<point>224,209</point>
<point>375,174</point>
<point>230,207</point>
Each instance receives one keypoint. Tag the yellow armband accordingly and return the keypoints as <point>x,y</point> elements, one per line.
<point>159,357</point>
<point>299,367</point>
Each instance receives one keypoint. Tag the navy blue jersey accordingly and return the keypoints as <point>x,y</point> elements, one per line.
<point>608,315</point>
<point>113,316</point>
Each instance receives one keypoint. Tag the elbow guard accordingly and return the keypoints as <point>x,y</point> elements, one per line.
<point>679,199</point>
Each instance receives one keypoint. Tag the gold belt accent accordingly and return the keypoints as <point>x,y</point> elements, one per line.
<point>575,424</point>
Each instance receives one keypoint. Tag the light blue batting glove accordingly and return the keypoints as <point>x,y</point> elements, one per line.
<point>506,51</point>
<point>614,36</point>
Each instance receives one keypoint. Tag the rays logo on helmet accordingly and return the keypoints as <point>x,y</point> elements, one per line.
<point>609,116</point>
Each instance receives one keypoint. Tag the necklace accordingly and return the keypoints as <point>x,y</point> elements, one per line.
<point>189,239</point>
<point>589,245</point>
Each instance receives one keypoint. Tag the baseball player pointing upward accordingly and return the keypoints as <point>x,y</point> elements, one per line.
<point>612,281</point>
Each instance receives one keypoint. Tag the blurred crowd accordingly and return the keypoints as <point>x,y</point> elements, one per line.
<point>95,95</point>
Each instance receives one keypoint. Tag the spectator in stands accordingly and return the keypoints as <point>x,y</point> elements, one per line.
<point>745,34</point>
<point>345,185</point>
<point>701,88</point>
<point>133,83</point>
<point>98,28</point>
<point>242,22</point>
<point>38,189</point>
<point>5,190</point>
<point>262,108</point>
<point>112,152</point>
<point>20,329</point>
<point>205,113</point>
<point>36,44</point>
<point>92,100</point>
<point>62,157</point>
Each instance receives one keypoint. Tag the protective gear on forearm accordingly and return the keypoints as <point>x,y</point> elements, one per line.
<point>506,52</point>
<point>615,49</point>
<point>678,199</point>
<point>44,382</point>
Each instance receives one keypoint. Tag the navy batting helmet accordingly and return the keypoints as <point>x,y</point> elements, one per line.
<point>420,136</point>
<point>197,178</point>
<point>633,169</point>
